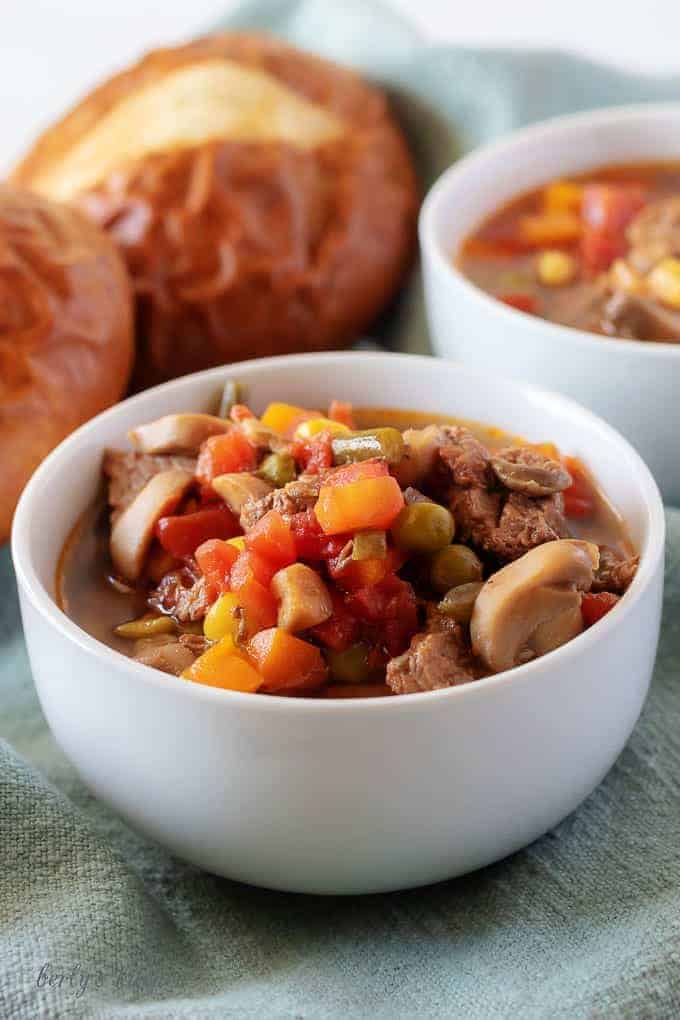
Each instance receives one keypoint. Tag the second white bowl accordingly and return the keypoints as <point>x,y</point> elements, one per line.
<point>633,385</point>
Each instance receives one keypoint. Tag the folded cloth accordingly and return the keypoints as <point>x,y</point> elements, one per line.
<point>97,922</point>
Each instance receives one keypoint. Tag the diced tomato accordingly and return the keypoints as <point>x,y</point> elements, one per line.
<point>273,539</point>
<point>609,208</point>
<point>310,541</point>
<point>221,455</point>
<point>357,472</point>
<point>314,455</point>
<point>259,606</point>
<point>595,605</point>
<point>355,506</point>
<point>286,662</point>
<point>522,302</point>
<point>340,630</point>
<point>215,559</point>
<point>342,412</point>
<point>181,535</point>
<point>249,566</point>
<point>239,412</point>
<point>579,498</point>
<point>392,605</point>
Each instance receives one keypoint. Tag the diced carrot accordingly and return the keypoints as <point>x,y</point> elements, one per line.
<point>181,535</point>
<point>595,605</point>
<point>522,302</point>
<point>259,606</point>
<point>550,229</point>
<point>563,196</point>
<point>286,661</point>
<point>221,455</point>
<point>579,498</point>
<point>364,573</point>
<point>369,503</point>
<point>273,539</point>
<point>342,412</point>
<point>250,565</point>
<point>357,472</point>
<point>224,666</point>
<point>215,559</point>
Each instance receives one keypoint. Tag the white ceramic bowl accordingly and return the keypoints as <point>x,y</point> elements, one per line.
<point>343,796</point>
<point>633,385</point>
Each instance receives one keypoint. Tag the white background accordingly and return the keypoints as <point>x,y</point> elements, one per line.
<point>51,51</point>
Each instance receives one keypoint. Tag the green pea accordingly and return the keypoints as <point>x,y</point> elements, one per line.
<point>386,443</point>
<point>459,602</point>
<point>349,666</point>
<point>453,566</point>
<point>423,528</point>
<point>145,626</point>
<point>369,545</point>
<point>278,468</point>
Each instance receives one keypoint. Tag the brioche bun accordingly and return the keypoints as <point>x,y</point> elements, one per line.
<point>66,332</point>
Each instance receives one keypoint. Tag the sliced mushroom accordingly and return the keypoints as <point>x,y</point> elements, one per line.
<point>304,598</point>
<point>132,532</point>
<point>525,470</point>
<point>164,653</point>
<point>239,488</point>
<point>177,433</point>
<point>420,453</point>
<point>533,605</point>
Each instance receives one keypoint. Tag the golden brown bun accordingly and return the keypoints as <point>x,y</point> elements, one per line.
<point>66,332</point>
<point>265,199</point>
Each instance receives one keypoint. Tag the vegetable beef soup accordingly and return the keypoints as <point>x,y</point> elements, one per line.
<point>599,252</point>
<point>340,553</point>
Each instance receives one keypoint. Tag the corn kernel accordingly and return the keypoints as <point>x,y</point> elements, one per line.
<point>220,621</point>
<point>312,427</point>
<point>664,282</point>
<point>238,543</point>
<point>555,268</point>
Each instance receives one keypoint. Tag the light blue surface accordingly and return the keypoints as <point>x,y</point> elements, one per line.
<point>586,922</point>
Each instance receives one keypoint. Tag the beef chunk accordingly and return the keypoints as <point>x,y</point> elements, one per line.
<point>639,318</point>
<point>128,472</point>
<point>295,497</point>
<point>466,458</point>
<point>183,595</point>
<point>507,525</point>
<point>438,658</point>
<point>615,571</point>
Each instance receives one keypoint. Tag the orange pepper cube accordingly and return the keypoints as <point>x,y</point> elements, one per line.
<point>369,503</point>
<point>285,661</point>
<point>224,666</point>
<point>272,539</point>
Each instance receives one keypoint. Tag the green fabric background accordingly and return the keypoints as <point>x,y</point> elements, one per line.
<point>97,922</point>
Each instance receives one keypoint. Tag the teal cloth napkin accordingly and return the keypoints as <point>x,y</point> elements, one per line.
<point>95,921</point>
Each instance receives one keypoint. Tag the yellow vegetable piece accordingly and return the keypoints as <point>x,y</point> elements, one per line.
<point>280,417</point>
<point>562,196</point>
<point>220,620</point>
<point>238,543</point>
<point>555,268</point>
<point>310,428</point>
<point>664,282</point>
<point>224,666</point>
<point>145,626</point>
<point>547,228</point>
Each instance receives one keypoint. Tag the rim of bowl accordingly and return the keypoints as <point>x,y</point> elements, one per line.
<point>46,606</point>
<point>545,130</point>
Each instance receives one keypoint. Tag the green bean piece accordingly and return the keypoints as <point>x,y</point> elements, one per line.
<point>459,602</point>
<point>350,666</point>
<point>278,468</point>
<point>423,528</point>
<point>369,545</point>
<point>386,443</point>
<point>231,394</point>
<point>453,566</point>
<point>145,626</point>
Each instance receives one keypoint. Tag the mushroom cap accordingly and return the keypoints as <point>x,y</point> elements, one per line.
<point>177,433</point>
<point>533,605</point>
<point>132,532</point>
